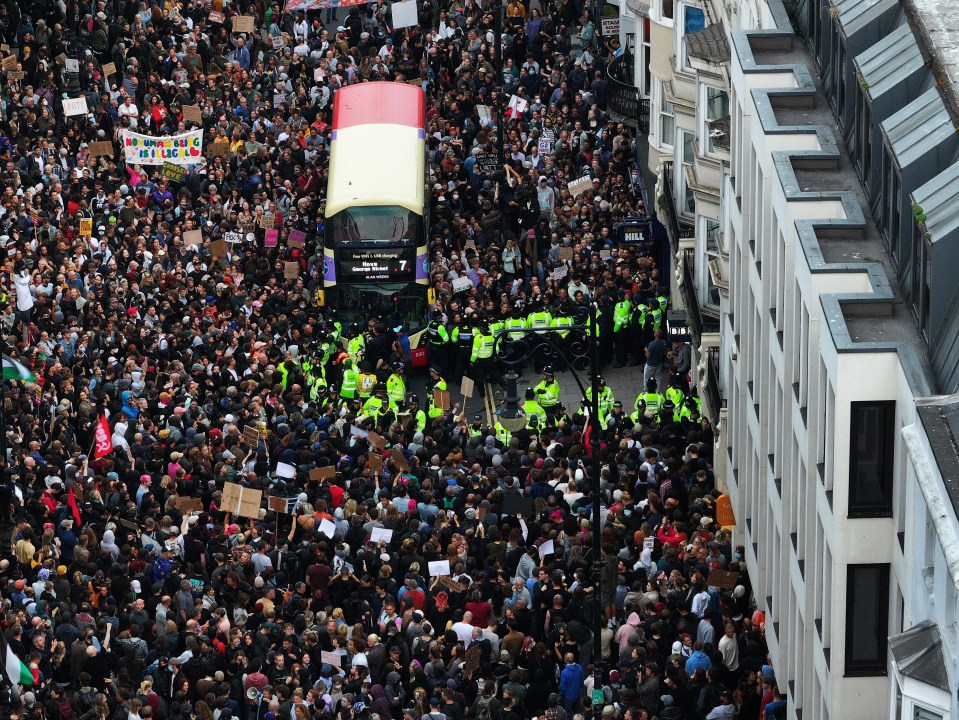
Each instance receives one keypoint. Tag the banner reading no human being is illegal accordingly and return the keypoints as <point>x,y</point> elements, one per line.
<point>185,149</point>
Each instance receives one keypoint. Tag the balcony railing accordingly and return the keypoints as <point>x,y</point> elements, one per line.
<point>690,300</point>
<point>624,97</point>
<point>714,400</point>
<point>670,218</point>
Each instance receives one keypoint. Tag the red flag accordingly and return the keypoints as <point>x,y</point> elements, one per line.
<point>74,509</point>
<point>102,439</point>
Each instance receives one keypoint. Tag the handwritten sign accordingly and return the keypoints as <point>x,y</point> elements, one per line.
<point>291,270</point>
<point>441,399</point>
<point>399,459</point>
<point>462,284</point>
<point>241,501</point>
<point>330,658</point>
<point>327,528</point>
<point>251,435</point>
<point>233,237</point>
<point>109,69</point>
<point>218,148</point>
<point>86,227</point>
<point>192,113</point>
<point>216,17</point>
<point>75,106</point>
<point>266,222</point>
<point>271,236</point>
<point>218,248</point>
<point>285,470</point>
<point>376,462</point>
<point>15,75</point>
<point>466,387</point>
<point>8,63</point>
<point>101,148</point>
<point>439,568</point>
<point>376,440</point>
<point>193,237</point>
<point>580,185</point>
<point>378,535</point>
<point>244,24</point>
<point>297,238</point>
<point>546,549</point>
<point>173,172</point>
<point>323,472</point>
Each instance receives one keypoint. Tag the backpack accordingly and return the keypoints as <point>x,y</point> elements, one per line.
<point>65,708</point>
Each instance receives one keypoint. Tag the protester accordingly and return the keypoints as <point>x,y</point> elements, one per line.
<point>225,501</point>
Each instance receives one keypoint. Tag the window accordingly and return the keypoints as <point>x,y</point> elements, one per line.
<point>871,454</point>
<point>867,619</point>
<point>921,277</point>
<point>667,119</point>
<point>711,296</point>
<point>646,89</point>
<point>688,202</point>
<point>716,108</point>
<point>922,714</point>
<point>668,9</point>
<point>694,19</point>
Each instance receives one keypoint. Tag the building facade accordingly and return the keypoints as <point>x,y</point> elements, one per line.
<point>808,177</point>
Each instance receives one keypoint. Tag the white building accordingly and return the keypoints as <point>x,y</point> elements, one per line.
<point>816,232</point>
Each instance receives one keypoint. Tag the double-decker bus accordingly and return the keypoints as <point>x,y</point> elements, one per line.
<point>375,257</point>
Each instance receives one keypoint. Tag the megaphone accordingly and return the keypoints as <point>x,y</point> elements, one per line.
<point>252,694</point>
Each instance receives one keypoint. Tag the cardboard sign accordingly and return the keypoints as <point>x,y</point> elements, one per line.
<point>277,504</point>
<point>216,17</point>
<point>462,284</point>
<point>241,501</point>
<point>376,462</point>
<point>244,24</point>
<point>192,113</point>
<point>399,459</point>
<point>291,270</point>
<point>193,237</point>
<point>266,222</point>
<point>101,148</point>
<point>330,658</point>
<point>566,254</point>
<point>278,41</point>
<point>271,237</point>
<point>405,14</point>
<point>129,525</point>
<point>649,543</point>
<point>86,227</point>
<point>517,504</point>
<point>8,63</point>
<point>376,440</point>
<point>233,237</point>
<point>188,504</point>
<point>579,186</point>
<point>722,579</point>
<point>251,434</point>
<point>466,387</point>
<point>15,75</point>
<point>378,535</point>
<point>546,548</point>
<point>724,511</point>
<point>439,568</point>
<point>285,470</point>
<point>278,99</point>
<point>216,149</point>
<point>109,69</point>
<point>218,248</point>
<point>75,106</point>
<point>173,172</point>
<point>323,473</point>
<point>327,528</point>
<point>297,239</point>
<point>441,399</point>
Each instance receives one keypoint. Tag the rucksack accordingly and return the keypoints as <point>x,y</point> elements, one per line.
<point>65,708</point>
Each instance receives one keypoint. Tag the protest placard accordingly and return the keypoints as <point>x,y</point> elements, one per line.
<point>188,504</point>
<point>376,440</point>
<point>15,75</point>
<point>441,399</point>
<point>86,227</point>
<point>378,535</point>
<point>517,504</point>
<point>218,148</point>
<point>566,254</point>
<point>182,149</point>
<point>376,462</point>
<point>405,14</point>
<point>75,106</point>
<point>218,248</point>
<point>8,63</point>
<point>297,238</point>
<point>267,222</point>
<point>546,548</point>
<point>101,148</point>
<point>244,24</point>
<point>320,473</point>
<point>241,501</point>
<point>331,658</point>
<point>723,579</point>
<point>109,69</point>
<point>466,387</point>
<point>285,470</point>
<point>399,459</point>
<point>327,527</point>
<point>216,17</point>
<point>193,237</point>
<point>192,113</point>
<point>439,567</point>
<point>291,270</point>
<point>462,284</point>
<point>277,504</point>
<point>173,172</point>
<point>251,434</point>
<point>270,238</point>
<point>233,237</point>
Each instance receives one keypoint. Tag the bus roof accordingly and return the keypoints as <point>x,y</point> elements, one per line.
<point>378,152</point>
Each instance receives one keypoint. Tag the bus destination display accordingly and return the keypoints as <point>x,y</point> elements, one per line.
<point>386,264</point>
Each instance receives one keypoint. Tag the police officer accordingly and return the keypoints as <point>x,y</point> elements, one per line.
<point>378,404</point>
<point>647,403</point>
<point>438,341</point>
<point>547,391</point>
<point>621,330</point>
<point>475,428</point>
<point>356,344</point>
<point>351,380</point>
<point>535,415</point>
<point>396,386</point>
<point>461,347</point>
<point>540,320</point>
<point>481,358</point>
<point>436,382</point>
<point>637,331</point>
<point>418,414</point>
<point>606,400</point>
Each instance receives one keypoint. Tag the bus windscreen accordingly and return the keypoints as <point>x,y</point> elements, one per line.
<point>377,224</point>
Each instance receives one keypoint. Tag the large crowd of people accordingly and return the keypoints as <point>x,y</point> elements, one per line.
<point>221,499</point>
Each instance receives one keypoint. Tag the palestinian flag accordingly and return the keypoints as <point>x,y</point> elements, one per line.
<point>17,673</point>
<point>13,370</point>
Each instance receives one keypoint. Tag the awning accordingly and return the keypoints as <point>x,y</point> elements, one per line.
<point>709,44</point>
<point>918,655</point>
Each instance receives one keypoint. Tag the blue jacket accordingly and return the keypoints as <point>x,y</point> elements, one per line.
<point>698,659</point>
<point>571,681</point>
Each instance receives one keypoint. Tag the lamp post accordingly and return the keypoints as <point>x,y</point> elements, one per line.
<point>512,417</point>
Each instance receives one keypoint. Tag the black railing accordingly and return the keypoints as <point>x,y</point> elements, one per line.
<point>623,95</point>
<point>643,120</point>
<point>690,299</point>
<point>669,217</point>
<point>714,399</point>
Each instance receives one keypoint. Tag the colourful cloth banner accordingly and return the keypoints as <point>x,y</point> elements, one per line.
<point>306,5</point>
<point>185,149</point>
